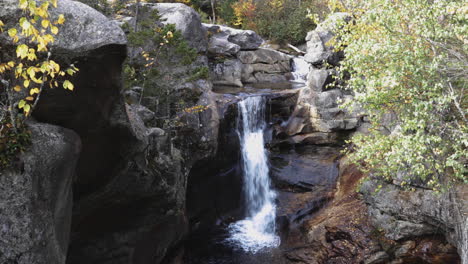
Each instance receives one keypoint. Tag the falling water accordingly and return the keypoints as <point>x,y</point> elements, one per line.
<point>300,69</point>
<point>257,230</point>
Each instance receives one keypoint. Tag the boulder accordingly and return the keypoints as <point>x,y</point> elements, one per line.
<point>319,49</point>
<point>318,79</point>
<point>280,67</point>
<point>245,39</point>
<point>261,77</point>
<point>85,28</point>
<point>221,46</point>
<point>322,112</point>
<point>186,20</point>
<point>36,198</point>
<point>227,73</point>
<point>264,66</point>
<point>262,55</point>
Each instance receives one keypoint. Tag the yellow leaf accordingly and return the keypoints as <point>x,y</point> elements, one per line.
<point>22,51</point>
<point>26,83</point>
<point>30,98</point>
<point>68,85</point>
<point>11,63</point>
<point>34,91</point>
<point>27,108</point>
<point>61,19</point>
<point>23,4</point>
<point>21,104</point>
<point>45,23</point>
<point>26,25</point>
<point>54,30</point>
<point>12,32</point>
<point>17,88</point>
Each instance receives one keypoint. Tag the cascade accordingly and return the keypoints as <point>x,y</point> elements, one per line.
<point>300,69</point>
<point>257,230</point>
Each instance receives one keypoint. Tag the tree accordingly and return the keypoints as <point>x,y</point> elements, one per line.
<point>291,20</point>
<point>409,58</point>
<point>24,75</point>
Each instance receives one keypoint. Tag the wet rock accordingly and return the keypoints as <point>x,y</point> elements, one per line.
<point>36,198</point>
<point>306,168</point>
<point>339,232</point>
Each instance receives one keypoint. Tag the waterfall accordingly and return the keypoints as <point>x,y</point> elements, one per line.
<point>257,230</point>
<point>300,69</point>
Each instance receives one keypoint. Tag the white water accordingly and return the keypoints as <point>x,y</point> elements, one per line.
<point>257,230</point>
<point>300,69</point>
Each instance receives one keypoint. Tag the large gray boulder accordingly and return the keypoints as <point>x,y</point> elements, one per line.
<point>36,198</point>
<point>319,49</point>
<point>186,20</point>
<point>245,39</point>
<point>262,55</point>
<point>264,66</point>
<point>227,72</point>
<point>85,29</point>
<point>221,46</point>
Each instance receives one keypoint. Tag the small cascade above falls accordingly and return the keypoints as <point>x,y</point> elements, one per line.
<point>257,230</point>
<point>300,69</point>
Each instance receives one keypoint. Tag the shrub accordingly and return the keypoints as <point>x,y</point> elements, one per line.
<point>279,20</point>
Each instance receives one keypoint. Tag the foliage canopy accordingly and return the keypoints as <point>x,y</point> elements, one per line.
<point>409,59</point>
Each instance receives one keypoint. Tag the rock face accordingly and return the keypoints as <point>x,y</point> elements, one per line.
<point>134,211</point>
<point>318,110</point>
<point>343,232</point>
<point>36,198</point>
<point>38,231</point>
<point>233,51</point>
<point>131,176</point>
<point>405,214</point>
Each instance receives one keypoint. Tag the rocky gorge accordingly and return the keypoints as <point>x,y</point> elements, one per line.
<point>103,183</point>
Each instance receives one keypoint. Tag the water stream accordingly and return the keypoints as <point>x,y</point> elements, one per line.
<point>300,70</point>
<point>257,230</point>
